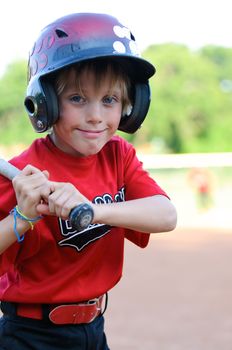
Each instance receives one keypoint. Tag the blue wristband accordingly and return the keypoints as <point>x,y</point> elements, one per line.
<point>17,214</point>
<point>19,238</point>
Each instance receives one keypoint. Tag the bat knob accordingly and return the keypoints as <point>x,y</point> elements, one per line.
<point>81,216</point>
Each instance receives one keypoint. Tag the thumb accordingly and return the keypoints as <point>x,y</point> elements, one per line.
<point>46,173</point>
<point>43,209</point>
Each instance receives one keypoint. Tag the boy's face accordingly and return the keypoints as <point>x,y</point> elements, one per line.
<point>88,118</point>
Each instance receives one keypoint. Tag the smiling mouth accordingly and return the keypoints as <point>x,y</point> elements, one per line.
<point>91,133</point>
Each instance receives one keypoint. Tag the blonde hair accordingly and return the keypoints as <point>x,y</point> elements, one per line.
<point>100,68</point>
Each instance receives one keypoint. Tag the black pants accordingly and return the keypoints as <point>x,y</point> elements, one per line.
<point>21,333</point>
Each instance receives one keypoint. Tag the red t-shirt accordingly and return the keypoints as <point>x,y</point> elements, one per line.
<point>54,263</point>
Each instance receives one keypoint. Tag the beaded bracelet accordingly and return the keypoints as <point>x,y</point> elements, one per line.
<point>18,214</point>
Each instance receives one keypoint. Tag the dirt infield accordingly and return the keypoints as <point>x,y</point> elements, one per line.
<point>175,294</point>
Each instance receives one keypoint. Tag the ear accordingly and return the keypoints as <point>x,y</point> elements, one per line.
<point>132,122</point>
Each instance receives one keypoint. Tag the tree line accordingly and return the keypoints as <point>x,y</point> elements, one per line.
<point>191,101</point>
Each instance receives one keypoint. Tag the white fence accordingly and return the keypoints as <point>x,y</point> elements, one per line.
<point>191,160</point>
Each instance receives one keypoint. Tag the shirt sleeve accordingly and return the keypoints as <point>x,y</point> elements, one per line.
<point>138,184</point>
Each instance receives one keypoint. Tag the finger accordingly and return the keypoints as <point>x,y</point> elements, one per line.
<point>30,169</point>
<point>62,200</point>
<point>34,180</point>
<point>45,192</point>
<point>56,202</point>
<point>37,173</point>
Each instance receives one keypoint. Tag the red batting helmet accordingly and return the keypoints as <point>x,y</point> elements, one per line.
<point>77,38</point>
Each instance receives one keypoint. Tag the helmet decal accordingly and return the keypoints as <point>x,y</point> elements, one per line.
<point>119,47</point>
<point>122,32</point>
<point>134,48</point>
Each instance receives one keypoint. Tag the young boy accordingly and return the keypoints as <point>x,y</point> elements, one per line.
<point>85,81</point>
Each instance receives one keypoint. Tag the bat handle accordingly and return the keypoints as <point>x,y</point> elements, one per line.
<point>81,216</point>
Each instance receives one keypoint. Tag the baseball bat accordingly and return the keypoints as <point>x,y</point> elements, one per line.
<point>80,217</point>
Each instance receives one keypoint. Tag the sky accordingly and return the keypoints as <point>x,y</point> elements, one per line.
<point>194,23</point>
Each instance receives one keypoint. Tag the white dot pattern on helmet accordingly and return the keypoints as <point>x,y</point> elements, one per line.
<point>134,48</point>
<point>119,47</point>
<point>122,32</point>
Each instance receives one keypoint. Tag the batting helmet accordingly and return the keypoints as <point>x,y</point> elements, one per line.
<point>77,38</point>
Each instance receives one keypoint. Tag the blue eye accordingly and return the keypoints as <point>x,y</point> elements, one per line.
<point>76,99</point>
<point>109,99</point>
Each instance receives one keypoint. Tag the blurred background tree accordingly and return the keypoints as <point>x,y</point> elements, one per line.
<point>190,111</point>
<point>190,107</point>
<point>14,125</point>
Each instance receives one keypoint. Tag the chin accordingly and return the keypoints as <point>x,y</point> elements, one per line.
<point>91,153</point>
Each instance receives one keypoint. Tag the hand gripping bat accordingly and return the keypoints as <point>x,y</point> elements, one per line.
<point>80,217</point>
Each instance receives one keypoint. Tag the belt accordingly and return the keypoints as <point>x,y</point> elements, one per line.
<point>76,313</point>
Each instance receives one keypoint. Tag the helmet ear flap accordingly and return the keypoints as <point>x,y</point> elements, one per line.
<point>52,105</point>
<point>41,104</point>
<point>132,122</point>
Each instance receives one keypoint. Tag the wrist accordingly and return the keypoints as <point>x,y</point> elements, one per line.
<point>22,226</point>
<point>98,217</point>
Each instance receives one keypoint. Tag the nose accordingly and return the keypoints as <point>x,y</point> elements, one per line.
<point>94,113</point>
